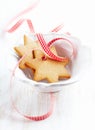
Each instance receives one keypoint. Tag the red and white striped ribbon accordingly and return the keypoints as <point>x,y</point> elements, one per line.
<point>25,11</point>
<point>56,29</point>
<point>74,50</point>
<point>19,23</point>
<point>47,49</point>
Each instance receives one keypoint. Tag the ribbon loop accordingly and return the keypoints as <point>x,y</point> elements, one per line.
<point>47,49</point>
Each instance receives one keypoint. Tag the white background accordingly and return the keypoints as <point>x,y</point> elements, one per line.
<point>78,102</point>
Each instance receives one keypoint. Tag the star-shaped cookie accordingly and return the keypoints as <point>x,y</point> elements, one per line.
<point>46,68</point>
<point>26,50</point>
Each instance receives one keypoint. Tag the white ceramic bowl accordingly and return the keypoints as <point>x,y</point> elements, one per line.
<point>77,67</point>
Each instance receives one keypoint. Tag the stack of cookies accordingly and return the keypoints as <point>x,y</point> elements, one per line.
<point>42,66</point>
